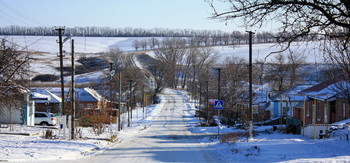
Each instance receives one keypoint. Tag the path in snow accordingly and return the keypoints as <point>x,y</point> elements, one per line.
<point>167,140</point>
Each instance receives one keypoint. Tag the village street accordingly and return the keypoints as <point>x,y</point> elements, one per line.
<point>167,140</point>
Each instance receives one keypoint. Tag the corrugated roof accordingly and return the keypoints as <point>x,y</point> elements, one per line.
<point>42,93</point>
<point>321,86</point>
<point>83,94</point>
<point>294,90</point>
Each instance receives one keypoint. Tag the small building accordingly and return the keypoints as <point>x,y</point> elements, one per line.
<point>325,103</point>
<point>21,112</point>
<point>48,99</point>
<point>282,103</point>
<point>45,100</point>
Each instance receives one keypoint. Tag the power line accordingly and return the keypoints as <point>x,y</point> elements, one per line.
<point>13,18</point>
<point>21,14</point>
<point>26,46</point>
<point>7,20</point>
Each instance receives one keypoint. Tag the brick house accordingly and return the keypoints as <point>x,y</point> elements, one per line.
<point>45,101</point>
<point>86,99</point>
<point>324,104</point>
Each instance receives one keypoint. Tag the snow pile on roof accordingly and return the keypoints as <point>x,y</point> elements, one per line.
<point>42,95</point>
<point>341,123</point>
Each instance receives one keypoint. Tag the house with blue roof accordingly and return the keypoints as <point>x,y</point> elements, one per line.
<point>282,103</point>
<point>48,99</point>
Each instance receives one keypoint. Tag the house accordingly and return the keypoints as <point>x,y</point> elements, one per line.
<point>282,103</point>
<point>21,112</point>
<point>325,104</point>
<point>45,101</point>
<point>49,100</point>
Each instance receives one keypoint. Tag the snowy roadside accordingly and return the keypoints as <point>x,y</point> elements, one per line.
<point>19,148</point>
<point>270,146</point>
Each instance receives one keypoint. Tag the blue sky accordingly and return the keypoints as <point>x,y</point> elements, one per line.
<point>172,14</point>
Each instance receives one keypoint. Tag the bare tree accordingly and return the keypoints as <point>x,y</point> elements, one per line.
<point>153,43</point>
<point>13,74</point>
<point>284,71</point>
<point>278,73</point>
<point>159,72</point>
<point>171,54</point>
<point>338,54</point>
<point>297,18</point>
<point>234,75</point>
<point>136,44</point>
<point>295,62</point>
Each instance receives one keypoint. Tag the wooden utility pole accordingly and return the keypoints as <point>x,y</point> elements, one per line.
<point>120,100</point>
<point>207,100</point>
<point>73,93</point>
<point>250,84</point>
<point>129,103</point>
<point>219,94</point>
<point>143,101</point>
<point>60,45</point>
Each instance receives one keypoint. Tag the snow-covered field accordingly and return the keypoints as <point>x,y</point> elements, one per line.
<point>264,147</point>
<point>46,60</point>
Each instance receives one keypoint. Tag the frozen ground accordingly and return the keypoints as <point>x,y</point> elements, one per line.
<point>18,148</point>
<point>46,60</point>
<point>265,147</point>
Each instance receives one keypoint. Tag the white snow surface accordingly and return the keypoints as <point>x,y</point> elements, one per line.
<point>266,146</point>
<point>47,62</point>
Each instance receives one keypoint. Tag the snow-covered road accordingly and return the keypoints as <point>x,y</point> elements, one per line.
<point>167,140</point>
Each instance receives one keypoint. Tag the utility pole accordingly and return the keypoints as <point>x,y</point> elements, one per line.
<point>120,100</point>
<point>143,101</point>
<point>219,93</point>
<point>73,93</point>
<point>129,103</point>
<point>219,88</point>
<point>207,100</point>
<point>250,84</point>
<point>60,45</point>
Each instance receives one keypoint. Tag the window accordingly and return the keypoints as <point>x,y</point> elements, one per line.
<point>90,106</point>
<point>344,108</point>
<point>318,110</point>
<point>325,120</point>
<point>313,107</point>
<point>81,106</point>
<point>40,115</point>
<point>307,107</point>
<point>48,109</point>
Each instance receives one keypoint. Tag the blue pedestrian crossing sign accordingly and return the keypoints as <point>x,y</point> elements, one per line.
<point>218,104</point>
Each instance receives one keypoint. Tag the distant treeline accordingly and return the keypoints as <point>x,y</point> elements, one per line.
<point>216,36</point>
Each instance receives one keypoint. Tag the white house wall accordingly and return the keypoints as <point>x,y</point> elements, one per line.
<point>6,117</point>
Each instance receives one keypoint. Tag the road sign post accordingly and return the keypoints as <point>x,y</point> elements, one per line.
<point>218,105</point>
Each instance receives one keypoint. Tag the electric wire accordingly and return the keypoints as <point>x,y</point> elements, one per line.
<point>15,11</point>
<point>13,18</point>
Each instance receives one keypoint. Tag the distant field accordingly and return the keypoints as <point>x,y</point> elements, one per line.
<point>47,47</point>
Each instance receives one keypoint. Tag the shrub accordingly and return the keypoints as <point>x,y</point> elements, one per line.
<point>230,137</point>
<point>48,134</point>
